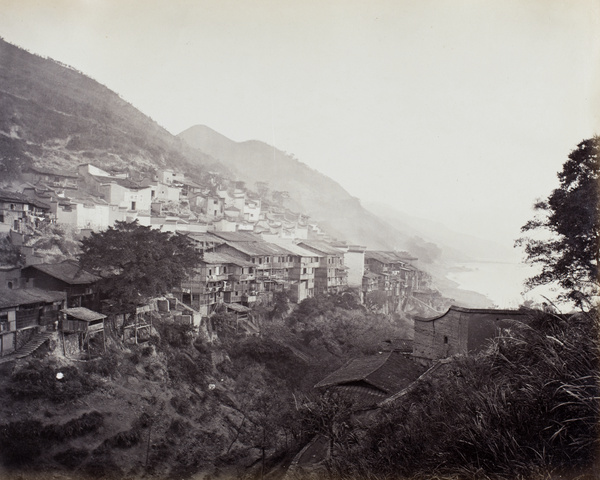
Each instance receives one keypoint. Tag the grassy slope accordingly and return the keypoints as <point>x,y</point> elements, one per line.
<point>58,117</point>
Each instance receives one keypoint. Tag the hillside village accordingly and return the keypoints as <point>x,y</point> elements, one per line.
<point>252,247</point>
<point>288,351</point>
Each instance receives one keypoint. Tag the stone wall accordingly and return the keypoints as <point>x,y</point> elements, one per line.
<point>458,331</point>
<point>440,338</point>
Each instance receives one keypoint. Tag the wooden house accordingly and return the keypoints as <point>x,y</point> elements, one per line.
<point>331,276</point>
<point>24,312</point>
<point>77,326</point>
<point>365,382</point>
<point>18,211</point>
<point>66,276</point>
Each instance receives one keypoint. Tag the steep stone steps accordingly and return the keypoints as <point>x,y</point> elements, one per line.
<point>32,345</point>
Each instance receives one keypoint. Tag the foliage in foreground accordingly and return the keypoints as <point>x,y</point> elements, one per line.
<point>527,405</point>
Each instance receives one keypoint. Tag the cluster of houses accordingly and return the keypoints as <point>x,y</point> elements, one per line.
<point>93,198</point>
<point>238,271</point>
<point>251,248</point>
<point>44,298</point>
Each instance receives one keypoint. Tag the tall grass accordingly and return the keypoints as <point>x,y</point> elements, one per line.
<point>526,406</point>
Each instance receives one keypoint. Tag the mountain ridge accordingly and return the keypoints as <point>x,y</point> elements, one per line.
<point>310,191</point>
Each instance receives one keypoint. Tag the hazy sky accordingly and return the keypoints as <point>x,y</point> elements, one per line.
<point>461,111</point>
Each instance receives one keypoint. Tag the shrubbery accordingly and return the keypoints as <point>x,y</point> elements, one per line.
<point>528,404</point>
<point>22,442</point>
<point>39,380</point>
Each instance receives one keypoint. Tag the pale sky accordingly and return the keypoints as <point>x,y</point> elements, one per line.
<point>458,111</point>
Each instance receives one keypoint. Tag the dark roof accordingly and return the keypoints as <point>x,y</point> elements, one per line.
<point>223,257</point>
<point>372,275</point>
<point>191,183</point>
<point>81,313</point>
<point>387,372</point>
<point>296,249</point>
<point>258,248</point>
<point>45,171</point>
<point>492,311</point>
<point>237,236</point>
<point>389,257</point>
<point>20,198</point>
<point>236,307</point>
<point>360,396</point>
<point>68,271</point>
<point>320,247</point>
<point>124,182</point>
<point>27,296</point>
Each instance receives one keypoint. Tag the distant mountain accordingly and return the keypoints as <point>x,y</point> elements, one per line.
<point>57,117</point>
<point>454,246</point>
<point>309,191</point>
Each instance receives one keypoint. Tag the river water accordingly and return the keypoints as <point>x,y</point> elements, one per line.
<point>501,282</point>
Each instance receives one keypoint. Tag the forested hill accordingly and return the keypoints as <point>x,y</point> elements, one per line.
<point>310,192</point>
<point>59,117</point>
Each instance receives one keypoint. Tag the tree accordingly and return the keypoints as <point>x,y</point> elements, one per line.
<point>569,255</point>
<point>138,262</point>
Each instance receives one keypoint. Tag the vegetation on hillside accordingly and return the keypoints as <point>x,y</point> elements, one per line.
<point>138,262</point>
<point>60,117</point>
<point>527,406</point>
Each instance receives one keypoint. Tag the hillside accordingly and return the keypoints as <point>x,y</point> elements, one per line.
<point>57,117</point>
<point>310,192</point>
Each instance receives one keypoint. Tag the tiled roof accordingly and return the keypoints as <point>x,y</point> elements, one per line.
<point>260,248</point>
<point>389,257</point>
<point>360,396</point>
<point>27,296</point>
<point>213,258</point>
<point>81,313</point>
<point>124,182</point>
<point>371,275</point>
<point>7,196</point>
<point>62,173</point>
<point>237,236</point>
<point>492,311</point>
<point>296,249</point>
<point>320,247</point>
<point>236,307</point>
<point>387,372</point>
<point>68,271</point>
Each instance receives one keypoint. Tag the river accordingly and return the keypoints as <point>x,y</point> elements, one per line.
<point>501,282</point>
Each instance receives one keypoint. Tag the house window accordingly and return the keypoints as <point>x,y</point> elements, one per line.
<point>4,324</point>
<point>133,205</point>
<point>1,218</point>
<point>445,339</point>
